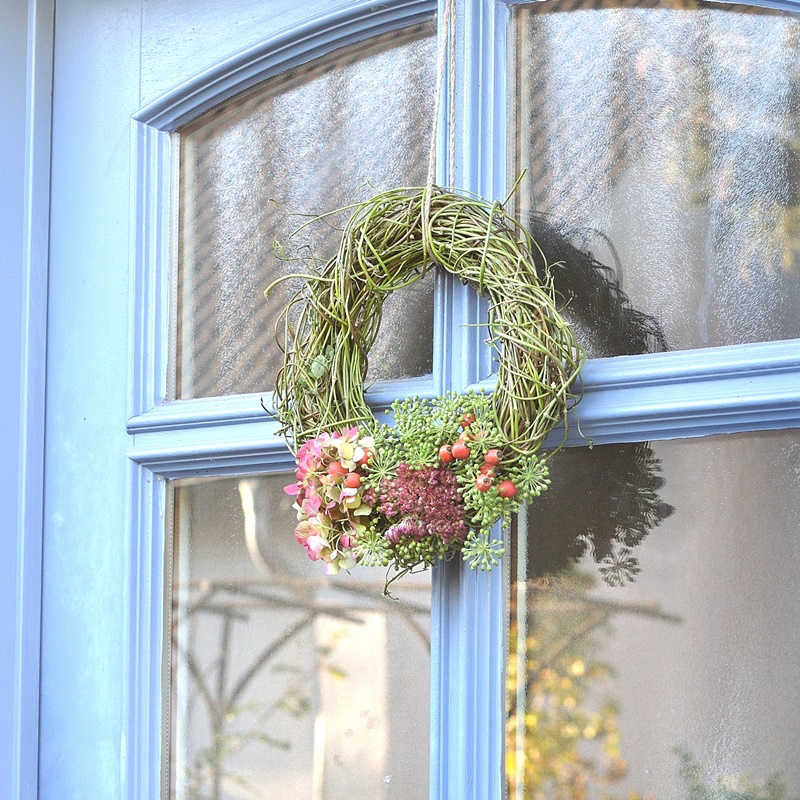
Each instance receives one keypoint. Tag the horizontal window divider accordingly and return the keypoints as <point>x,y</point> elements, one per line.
<point>230,449</point>
<point>692,365</point>
<point>382,394</point>
<point>206,412</point>
<point>229,435</point>
<point>762,358</point>
<point>202,412</point>
<point>685,393</point>
<point>702,408</point>
<point>628,398</point>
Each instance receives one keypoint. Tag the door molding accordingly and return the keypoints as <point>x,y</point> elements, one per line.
<point>30,124</point>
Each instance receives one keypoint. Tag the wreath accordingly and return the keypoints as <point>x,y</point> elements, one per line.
<point>434,483</point>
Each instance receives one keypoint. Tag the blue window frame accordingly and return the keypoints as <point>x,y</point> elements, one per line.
<point>640,398</point>
<point>208,436</point>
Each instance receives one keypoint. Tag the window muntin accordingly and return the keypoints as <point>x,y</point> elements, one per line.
<point>665,138</point>
<point>310,141</point>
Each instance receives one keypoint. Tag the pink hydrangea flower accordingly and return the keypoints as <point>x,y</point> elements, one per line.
<point>327,508</point>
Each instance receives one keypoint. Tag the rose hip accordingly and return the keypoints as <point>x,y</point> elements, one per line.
<point>493,457</point>
<point>365,458</point>
<point>460,450</point>
<point>483,482</point>
<point>506,489</point>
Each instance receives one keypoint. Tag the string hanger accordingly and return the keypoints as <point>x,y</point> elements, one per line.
<point>446,55</point>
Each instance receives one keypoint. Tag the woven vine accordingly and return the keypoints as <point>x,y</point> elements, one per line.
<point>392,240</point>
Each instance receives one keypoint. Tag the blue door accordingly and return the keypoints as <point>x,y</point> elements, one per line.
<point>155,365</point>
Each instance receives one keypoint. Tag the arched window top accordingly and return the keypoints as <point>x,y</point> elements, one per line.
<point>275,54</point>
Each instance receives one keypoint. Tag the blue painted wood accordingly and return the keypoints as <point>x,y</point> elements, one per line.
<point>36,229</point>
<point>205,411</point>
<point>698,393</point>
<point>13,63</point>
<point>661,396</point>
<point>631,398</point>
<point>231,450</point>
<point>216,436</point>
<point>103,612</point>
<point>468,608</point>
<point>151,256</point>
<point>103,590</point>
<point>201,412</point>
<point>228,434</point>
<point>182,38</point>
<point>86,597</point>
<point>686,393</point>
<point>146,728</point>
<point>25,88</point>
<point>312,38</point>
<point>153,158</point>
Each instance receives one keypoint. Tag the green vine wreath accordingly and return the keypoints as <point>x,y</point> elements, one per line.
<point>434,483</point>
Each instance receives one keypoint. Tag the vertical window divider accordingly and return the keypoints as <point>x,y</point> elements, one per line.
<point>469,607</point>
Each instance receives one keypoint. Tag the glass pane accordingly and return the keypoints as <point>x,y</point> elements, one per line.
<point>665,139</point>
<point>286,682</point>
<point>655,651</point>
<point>307,142</point>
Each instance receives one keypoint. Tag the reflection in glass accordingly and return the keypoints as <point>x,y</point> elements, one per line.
<point>679,682</point>
<point>307,142</point>
<point>671,130</point>
<point>285,682</point>
<point>602,502</point>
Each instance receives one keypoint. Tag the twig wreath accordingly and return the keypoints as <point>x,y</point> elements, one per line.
<point>435,482</point>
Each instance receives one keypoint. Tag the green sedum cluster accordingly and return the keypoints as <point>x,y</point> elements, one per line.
<point>487,493</point>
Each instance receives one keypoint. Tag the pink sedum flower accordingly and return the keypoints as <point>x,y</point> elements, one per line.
<point>426,501</point>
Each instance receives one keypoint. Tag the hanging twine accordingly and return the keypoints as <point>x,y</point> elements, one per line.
<point>447,51</point>
<point>447,47</point>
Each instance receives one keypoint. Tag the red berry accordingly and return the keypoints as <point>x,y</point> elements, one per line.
<point>353,480</point>
<point>467,420</point>
<point>465,436</point>
<point>506,489</point>
<point>335,468</point>
<point>446,453</point>
<point>460,450</point>
<point>487,469</point>
<point>366,457</point>
<point>493,457</point>
<point>483,482</point>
